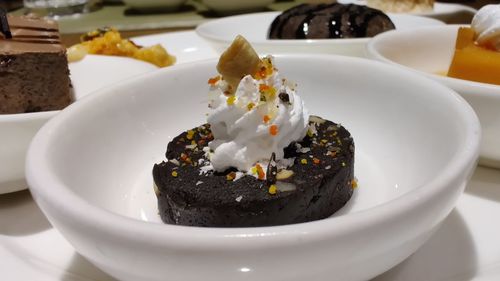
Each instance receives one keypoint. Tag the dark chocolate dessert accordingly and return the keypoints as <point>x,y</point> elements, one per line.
<point>34,73</point>
<point>260,160</point>
<point>323,21</point>
<point>319,182</point>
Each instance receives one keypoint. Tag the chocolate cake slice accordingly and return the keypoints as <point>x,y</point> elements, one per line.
<point>34,73</point>
<point>319,182</point>
<point>334,20</point>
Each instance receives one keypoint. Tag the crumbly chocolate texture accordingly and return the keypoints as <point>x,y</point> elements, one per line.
<point>334,20</point>
<point>322,176</point>
<point>34,74</point>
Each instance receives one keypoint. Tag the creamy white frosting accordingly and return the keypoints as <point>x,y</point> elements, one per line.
<point>242,134</point>
<point>486,24</point>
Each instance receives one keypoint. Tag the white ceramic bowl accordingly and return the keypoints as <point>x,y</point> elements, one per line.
<point>429,51</point>
<point>154,4</point>
<point>17,130</point>
<point>231,6</point>
<point>254,27</point>
<point>89,170</point>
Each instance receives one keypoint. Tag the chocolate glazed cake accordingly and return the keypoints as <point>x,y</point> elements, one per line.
<point>34,73</point>
<point>335,20</point>
<point>319,182</point>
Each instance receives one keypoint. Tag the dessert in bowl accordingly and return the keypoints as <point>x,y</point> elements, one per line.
<point>255,27</point>
<point>430,51</point>
<point>90,172</point>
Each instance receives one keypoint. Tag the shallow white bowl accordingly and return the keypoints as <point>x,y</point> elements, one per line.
<point>231,6</point>
<point>254,27</point>
<point>89,170</point>
<point>17,130</point>
<point>429,51</point>
<point>154,4</point>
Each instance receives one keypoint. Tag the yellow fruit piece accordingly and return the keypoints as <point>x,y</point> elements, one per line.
<point>473,62</point>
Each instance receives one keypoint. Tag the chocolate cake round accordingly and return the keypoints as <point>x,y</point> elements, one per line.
<point>323,21</point>
<point>319,182</point>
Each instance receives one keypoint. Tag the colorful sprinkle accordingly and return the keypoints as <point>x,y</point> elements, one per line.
<point>272,189</point>
<point>231,176</point>
<point>273,130</point>
<point>303,161</point>
<point>316,161</point>
<point>250,106</point>
<point>260,172</point>
<point>212,81</point>
<point>266,118</point>
<point>354,183</point>
<point>231,100</point>
<point>174,174</point>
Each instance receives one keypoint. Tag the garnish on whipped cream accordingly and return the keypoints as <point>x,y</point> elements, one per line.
<point>255,112</point>
<point>486,25</point>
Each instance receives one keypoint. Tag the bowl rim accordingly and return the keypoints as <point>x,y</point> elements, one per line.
<point>460,85</point>
<point>44,185</point>
<point>201,30</point>
<point>26,117</point>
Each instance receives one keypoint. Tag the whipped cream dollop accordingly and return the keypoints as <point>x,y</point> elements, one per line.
<point>486,24</point>
<point>262,116</point>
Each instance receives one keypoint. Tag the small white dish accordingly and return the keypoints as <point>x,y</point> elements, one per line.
<point>17,130</point>
<point>90,173</point>
<point>228,7</point>
<point>151,5</point>
<point>254,27</point>
<point>88,75</point>
<point>429,51</point>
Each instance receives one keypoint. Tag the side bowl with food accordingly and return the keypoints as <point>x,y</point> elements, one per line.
<point>91,171</point>
<point>450,55</point>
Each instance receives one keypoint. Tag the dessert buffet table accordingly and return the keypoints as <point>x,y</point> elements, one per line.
<point>134,23</point>
<point>465,247</point>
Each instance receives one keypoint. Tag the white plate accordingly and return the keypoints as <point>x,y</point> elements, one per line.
<point>441,11</point>
<point>87,75</point>
<point>95,72</point>
<point>465,247</point>
<point>254,27</point>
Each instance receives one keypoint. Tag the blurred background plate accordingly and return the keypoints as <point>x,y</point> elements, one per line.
<point>254,27</point>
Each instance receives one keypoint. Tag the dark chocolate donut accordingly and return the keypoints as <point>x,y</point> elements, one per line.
<point>335,20</point>
<point>322,182</point>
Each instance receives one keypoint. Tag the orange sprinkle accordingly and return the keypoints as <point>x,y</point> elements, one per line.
<point>213,80</point>
<point>263,87</point>
<point>273,130</point>
<point>260,172</point>
<point>266,118</point>
<point>316,161</point>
